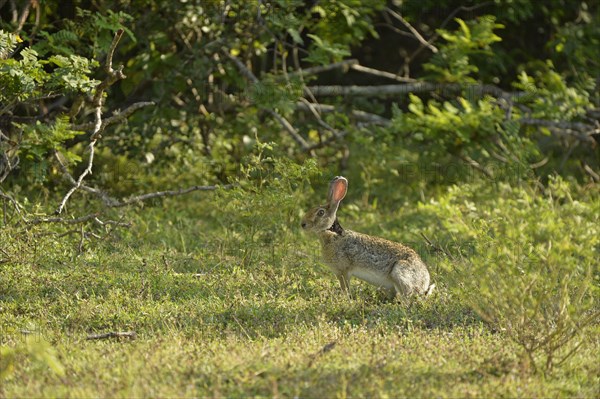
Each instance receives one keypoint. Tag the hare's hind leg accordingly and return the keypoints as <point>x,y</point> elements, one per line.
<point>402,279</point>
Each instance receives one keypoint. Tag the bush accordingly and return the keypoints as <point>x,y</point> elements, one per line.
<point>530,268</point>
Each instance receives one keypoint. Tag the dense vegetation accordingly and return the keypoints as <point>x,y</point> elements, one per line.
<point>155,162</point>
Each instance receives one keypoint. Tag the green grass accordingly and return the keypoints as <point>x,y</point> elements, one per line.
<point>220,314</point>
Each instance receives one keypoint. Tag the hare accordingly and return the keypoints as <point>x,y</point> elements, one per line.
<point>386,264</point>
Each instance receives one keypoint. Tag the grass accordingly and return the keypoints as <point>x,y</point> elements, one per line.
<point>219,314</point>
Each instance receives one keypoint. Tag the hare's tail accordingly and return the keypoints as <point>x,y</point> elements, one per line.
<point>429,290</point>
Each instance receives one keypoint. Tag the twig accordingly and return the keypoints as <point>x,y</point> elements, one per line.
<point>436,247</point>
<point>81,239</point>
<point>475,165</point>
<point>57,219</point>
<point>359,115</point>
<point>115,223</point>
<point>383,74</point>
<point>15,203</point>
<point>113,334</point>
<point>118,117</point>
<point>320,120</point>
<point>595,176</point>
<point>170,193</point>
<point>437,35</point>
<point>282,121</point>
<point>416,33</point>
<point>326,348</point>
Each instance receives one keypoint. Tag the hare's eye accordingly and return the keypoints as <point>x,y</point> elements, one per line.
<point>321,212</point>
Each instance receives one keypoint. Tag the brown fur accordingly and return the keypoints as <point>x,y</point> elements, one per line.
<point>389,265</point>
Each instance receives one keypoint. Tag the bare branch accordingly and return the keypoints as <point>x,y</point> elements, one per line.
<point>88,170</point>
<point>415,87</point>
<point>449,18</point>
<point>57,219</point>
<point>383,74</point>
<point>169,193</point>
<point>117,117</point>
<point>105,198</point>
<point>113,76</point>
<point>25,14</point>
<point>15,203</point>
<point>115,203</point>
<point>372,91</point>
<point>359,115</point>
<point>580,131</point>
<point>324,68</point>
<point>416,33</point>
<point>111,52</point>
<point>475,165</point>
<point>560,124</point>
<point>594,175</point>
<point>320,121</point>
<point>282,121</point>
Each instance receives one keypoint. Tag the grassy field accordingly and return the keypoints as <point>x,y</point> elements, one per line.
<point>217,313</point>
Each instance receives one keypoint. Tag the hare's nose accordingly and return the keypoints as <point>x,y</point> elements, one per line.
<point>303,225</point>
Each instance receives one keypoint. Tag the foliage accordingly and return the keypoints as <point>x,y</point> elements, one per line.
<point>452,63</point>
<point>528,264</point>
<point>549,96</point>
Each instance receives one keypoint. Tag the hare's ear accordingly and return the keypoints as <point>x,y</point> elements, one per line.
<point>337,189</point>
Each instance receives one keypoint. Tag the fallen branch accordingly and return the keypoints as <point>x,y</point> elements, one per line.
<point>113,334</point>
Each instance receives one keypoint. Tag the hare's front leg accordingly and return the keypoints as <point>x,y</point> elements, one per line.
<point>344,280</point>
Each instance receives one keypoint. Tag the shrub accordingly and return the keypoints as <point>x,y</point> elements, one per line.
<point>531,268</point>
